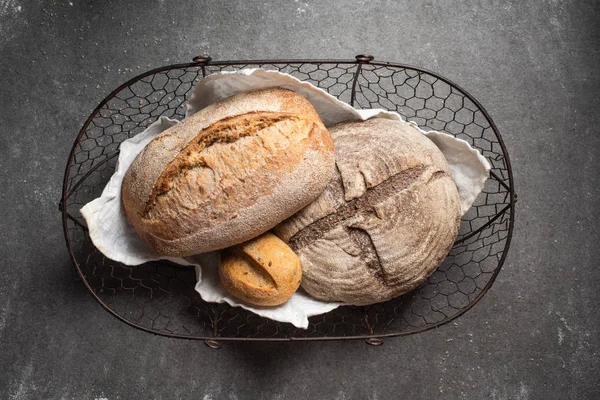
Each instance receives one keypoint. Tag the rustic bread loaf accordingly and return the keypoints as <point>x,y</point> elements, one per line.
<point>263,271</point>
<point>386,220</point>
<point>228,173</point>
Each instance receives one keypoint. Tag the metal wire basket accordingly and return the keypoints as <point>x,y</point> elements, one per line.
<point>159,297</point>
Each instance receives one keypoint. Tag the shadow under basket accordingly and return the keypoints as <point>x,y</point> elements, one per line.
<point>159,297</point>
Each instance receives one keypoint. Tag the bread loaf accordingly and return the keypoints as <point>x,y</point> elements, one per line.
<point>228,173</point>
<point>389,216</point>
<point>263,271</point>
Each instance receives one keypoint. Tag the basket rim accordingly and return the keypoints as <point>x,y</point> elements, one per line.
<point>359,61</point>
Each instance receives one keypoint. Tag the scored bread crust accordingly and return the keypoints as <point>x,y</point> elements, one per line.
<point>228,173</point>
<point>388,218</point>
<point>263,271</point>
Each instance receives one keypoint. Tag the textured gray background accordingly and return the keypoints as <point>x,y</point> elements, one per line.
<point>533,64</point>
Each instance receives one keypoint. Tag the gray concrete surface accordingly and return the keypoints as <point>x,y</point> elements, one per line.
<point>533,64</point>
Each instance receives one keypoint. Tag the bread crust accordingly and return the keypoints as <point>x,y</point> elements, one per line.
<point>387,219</point>
<point>228,173</point>
<point>263,271</point>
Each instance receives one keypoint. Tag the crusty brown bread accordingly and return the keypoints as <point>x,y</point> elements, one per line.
<point>228,173</point>
<point>263,271</point>
<point>386,220</point>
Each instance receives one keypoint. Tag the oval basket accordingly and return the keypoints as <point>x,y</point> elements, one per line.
<point>159,297</point>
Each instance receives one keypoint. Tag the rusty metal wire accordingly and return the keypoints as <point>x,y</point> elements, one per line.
<point>159,297</point>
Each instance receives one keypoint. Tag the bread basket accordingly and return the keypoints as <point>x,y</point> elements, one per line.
<point>159,297</point>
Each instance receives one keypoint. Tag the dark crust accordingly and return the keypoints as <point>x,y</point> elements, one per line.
<point>368,252</point>
<point>361,205</point>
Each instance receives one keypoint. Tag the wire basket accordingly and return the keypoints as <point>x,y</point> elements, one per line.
<point>159,297</point>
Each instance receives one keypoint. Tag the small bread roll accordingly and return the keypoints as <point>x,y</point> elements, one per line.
<point>263,271</point>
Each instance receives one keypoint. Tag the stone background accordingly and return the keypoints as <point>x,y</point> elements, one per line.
<point>534,65</point>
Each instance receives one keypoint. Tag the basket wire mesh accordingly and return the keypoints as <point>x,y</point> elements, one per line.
<point>159,297</point>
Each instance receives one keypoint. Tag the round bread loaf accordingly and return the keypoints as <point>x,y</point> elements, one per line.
<point>228,173</point>
<point>263,271</point>
<point>386,220</point>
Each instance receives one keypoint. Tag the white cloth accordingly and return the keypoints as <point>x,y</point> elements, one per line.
<point>112,234</point>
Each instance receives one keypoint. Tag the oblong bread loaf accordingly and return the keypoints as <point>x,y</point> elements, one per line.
<point>228,173</point>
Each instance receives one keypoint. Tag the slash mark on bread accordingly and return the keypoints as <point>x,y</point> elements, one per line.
<point>252,271</point>
<point>227,130</point>
<point>368,252</point>
<point>363,205</point>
